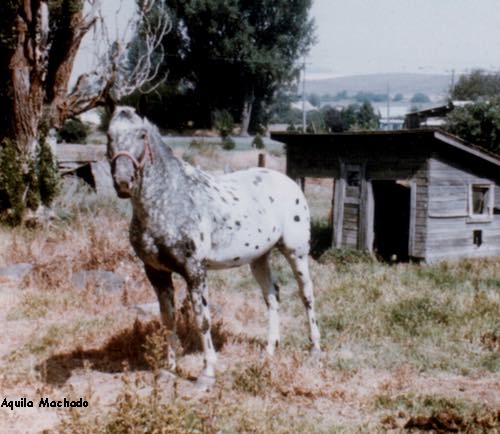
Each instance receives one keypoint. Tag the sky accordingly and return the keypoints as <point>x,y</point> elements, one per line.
<point>356,37</point>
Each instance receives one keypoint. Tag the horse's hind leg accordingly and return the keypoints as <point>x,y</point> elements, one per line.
<point>164,288</point>
<point>297,258</point>
<point>270,290</point>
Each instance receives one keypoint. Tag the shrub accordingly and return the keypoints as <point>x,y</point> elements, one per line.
<point>24,183</point>
<point>223,122</point>
<point>105,119</point>
<point>258,142</point>
<point>74,131</point>
<point>228,143</point>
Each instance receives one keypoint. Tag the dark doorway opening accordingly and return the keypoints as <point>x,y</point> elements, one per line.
<point>391,225</point>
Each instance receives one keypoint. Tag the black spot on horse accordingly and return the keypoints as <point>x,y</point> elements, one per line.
<point>247,244</point>
<point>235,198</point>
<point>204,301</point>
<point>271,199</point>
<point>277,289</point>
<point>260,230</point>
<point>237,223</point>
<point>202,236</point>
<point>297,218</point>
<point>256,247</point>
<point>205,326</point>
<point>307,303</point>
<point>236,259</point>
<point>297,201</point>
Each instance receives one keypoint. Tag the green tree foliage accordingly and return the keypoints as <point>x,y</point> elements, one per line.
<point>228,54</point>
<point>367,118</point>
<point>477,123</point>
<point>398,97</point>
<point>74,131</point>
<point>7,47</point>
<point>21,189</point>
<point>354,117</point>
<point>476,85</point>
<point>334,121</point>
<point>362,97</point>
<point>420,98</point>
<point>223,122</point>
<point>314,99</point>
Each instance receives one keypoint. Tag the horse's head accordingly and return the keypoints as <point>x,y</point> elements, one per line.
<point>128,148</point>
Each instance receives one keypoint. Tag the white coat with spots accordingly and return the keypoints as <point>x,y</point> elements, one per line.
<point>187,221</point>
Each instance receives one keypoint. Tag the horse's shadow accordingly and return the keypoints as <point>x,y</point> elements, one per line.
<point>125,350</point>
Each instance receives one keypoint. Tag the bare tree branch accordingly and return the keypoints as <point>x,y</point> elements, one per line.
<point>115,77</point>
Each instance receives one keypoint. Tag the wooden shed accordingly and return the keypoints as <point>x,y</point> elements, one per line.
<point>418,194</point>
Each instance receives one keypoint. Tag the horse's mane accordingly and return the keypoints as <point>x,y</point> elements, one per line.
<point>155,138</point>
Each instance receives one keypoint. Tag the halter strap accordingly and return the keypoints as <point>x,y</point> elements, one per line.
<point>138,164</point>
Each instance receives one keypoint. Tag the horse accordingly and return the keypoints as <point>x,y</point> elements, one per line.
<point>187,221</point>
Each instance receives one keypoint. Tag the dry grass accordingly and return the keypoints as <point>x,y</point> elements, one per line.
<point>403,344</point>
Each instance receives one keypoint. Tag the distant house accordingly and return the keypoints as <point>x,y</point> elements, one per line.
<point>391,124</point>
<point>410,194</point>
<point>433,117</point>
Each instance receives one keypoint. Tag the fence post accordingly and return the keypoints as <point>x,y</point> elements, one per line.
<point>262,160</point>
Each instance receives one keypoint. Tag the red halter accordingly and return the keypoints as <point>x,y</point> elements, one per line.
<point>138,164</point>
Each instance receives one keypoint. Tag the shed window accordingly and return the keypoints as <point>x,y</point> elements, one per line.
<point>481,200</point>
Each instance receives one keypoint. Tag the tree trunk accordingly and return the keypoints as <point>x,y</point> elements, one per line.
<point>28,68</point>
<point>65,45</point>
<point>246,114</point>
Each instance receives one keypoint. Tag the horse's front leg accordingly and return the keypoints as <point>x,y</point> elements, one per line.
<point>198,291</point>
<point>164,288</point>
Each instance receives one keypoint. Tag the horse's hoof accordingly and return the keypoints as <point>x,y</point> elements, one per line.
<point>205,383</point>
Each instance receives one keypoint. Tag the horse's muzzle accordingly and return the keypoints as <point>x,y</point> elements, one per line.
<point>123,189</point>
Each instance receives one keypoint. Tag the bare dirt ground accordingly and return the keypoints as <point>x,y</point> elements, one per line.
<point>404,345</point>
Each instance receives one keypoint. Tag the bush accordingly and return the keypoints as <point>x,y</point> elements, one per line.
<point>105,119</point>
<point>258,142</point>
<point>228,143</point>
<point>74,131</point>
<point>223,122</point>
<point>24,184</point>
<point>420,98</point>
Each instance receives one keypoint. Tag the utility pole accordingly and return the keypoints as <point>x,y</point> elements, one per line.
<point>452,83</point>
<point>388,102</point>
<point>304,96</point>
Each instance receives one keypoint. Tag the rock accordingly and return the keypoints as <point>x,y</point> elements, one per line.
<point>147,309</point>
<point>100,280</point>
<point>16,272</point>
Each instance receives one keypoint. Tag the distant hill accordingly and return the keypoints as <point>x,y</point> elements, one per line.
<point>434,85</point>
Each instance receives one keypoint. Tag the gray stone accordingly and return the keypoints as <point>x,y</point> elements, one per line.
<point>100,280</point>
<point>16,272</point>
